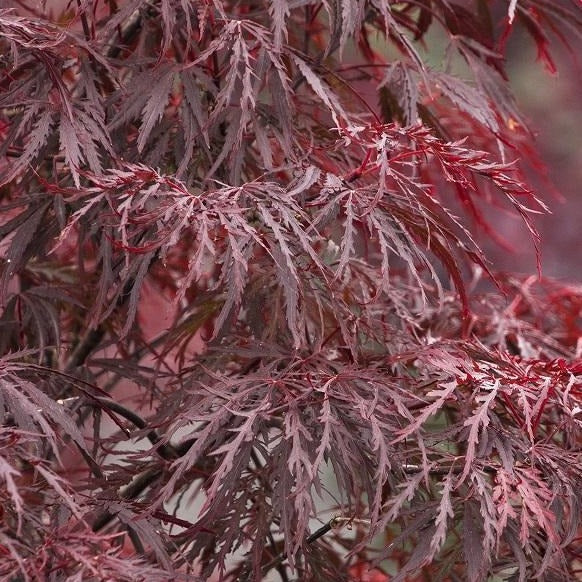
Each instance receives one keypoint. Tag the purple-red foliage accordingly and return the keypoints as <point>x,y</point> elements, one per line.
<point>306,193</point>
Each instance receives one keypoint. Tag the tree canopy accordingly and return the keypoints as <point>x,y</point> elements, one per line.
<point>247,326</point>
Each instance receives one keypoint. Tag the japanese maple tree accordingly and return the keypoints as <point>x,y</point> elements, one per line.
<point>247,328</point>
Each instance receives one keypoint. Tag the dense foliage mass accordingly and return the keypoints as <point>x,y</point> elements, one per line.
<point>243,297</point>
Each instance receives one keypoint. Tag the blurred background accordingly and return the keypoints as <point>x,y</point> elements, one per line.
<point>552,104</point>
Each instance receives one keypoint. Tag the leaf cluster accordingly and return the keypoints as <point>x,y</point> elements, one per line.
<point>242,293</point>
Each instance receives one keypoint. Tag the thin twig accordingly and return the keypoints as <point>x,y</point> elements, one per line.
<point>84,23</point>
<point>334,523</point>
<point>443,469</point>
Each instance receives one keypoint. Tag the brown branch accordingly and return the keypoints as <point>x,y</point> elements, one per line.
<point>139,484</point>
<point>81,352</point>
<point>129,29</point>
